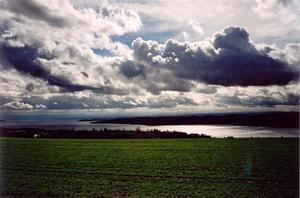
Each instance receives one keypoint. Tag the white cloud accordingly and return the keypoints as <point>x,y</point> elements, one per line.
<point>281,26</point>
<point>40,106</point>
<point>290,54</point>
<point>17,105</point>
<point>191,32</point>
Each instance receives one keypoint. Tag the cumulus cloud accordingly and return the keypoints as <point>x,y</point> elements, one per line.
<point>290,55</point>
<point>53,41</point>
<point>17,105</point>
<point>228,59</point>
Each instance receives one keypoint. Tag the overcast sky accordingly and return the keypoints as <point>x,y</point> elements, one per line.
<point>143,56</point>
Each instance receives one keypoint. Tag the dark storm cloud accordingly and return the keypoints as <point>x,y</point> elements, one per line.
<point>24,59</point>
<point>230,60</point>
<point>233,38</point>
<point>34,10</point>
<point>132,69</point>
<point>240,63</point>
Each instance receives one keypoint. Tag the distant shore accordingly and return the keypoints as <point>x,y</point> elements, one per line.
<point>265,119</point>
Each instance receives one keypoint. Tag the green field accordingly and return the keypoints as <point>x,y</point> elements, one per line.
<point>150,168</point>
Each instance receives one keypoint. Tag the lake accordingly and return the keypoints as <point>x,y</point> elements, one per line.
<point>213,130</point>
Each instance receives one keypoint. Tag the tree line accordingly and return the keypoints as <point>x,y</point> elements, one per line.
<point>95,134</point>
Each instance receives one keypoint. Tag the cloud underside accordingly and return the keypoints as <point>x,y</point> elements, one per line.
<point>50,58</point>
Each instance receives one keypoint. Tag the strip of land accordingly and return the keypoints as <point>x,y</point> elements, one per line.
<point>266,119</point>
<point>94,134</point>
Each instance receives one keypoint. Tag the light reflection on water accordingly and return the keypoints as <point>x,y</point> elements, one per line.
<point>213,130</point>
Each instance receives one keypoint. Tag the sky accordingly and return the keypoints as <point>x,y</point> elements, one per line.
<point>149,56</point>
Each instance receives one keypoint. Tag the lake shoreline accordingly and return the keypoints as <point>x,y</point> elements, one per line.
<point>266,119</point>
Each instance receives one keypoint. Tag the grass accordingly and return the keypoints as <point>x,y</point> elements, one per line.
<point>150,168</point>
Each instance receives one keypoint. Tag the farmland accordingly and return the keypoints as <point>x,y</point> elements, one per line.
<point>257,167</point>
